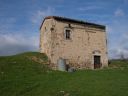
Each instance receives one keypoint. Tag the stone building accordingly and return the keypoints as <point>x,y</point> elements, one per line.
<point>81,44</point>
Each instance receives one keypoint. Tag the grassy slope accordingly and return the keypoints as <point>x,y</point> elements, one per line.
<point>20,75</point>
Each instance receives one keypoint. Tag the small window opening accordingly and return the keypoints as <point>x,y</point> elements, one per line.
<point>69,25</point>
<point>67,34</point>
<point>45,29</point>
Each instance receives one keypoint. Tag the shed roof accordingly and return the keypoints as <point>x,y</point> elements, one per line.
<point>73,21</point>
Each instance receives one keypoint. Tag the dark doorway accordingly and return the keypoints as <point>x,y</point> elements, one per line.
<point>97,63</point>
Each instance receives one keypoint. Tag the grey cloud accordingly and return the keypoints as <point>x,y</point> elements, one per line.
<point>16,41</point>
<point>119,13</point>
<point>116,53</point>
<point>118,38</point>
<point>89,8</point>
<point>12,44</point>
<point>15,49</point>
<point>40,14</point>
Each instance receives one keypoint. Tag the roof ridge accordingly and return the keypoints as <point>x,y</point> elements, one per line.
<point>60,18</point>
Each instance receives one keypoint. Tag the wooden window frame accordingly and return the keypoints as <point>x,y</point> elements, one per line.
<point>67,33</point>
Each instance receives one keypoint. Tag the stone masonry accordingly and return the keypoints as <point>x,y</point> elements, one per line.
<point>82,44</point>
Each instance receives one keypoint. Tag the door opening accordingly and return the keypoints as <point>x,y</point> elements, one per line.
<point>97,63</point>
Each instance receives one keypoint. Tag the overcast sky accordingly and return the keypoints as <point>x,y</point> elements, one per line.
<point>20,21</point>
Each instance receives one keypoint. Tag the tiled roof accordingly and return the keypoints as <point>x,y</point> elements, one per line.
<point>73,21</point>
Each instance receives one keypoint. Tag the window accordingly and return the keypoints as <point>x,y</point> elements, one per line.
<point>46,29</point>
<point>67,34</point>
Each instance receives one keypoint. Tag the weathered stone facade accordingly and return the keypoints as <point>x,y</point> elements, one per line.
<point>82,47</point>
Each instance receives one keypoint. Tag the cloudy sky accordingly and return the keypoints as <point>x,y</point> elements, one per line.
<point>20,21</point>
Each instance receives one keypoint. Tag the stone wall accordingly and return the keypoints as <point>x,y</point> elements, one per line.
<point>86,41</point>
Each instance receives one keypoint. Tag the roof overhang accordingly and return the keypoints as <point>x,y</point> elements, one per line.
<point>58,18</point>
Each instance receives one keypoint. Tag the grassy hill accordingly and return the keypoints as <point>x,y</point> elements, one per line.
<point>26,75</point>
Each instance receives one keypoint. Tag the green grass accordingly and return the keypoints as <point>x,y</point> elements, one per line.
<point>23,75</point>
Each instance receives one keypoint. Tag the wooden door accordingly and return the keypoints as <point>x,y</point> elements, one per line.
<point>97,63</point>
